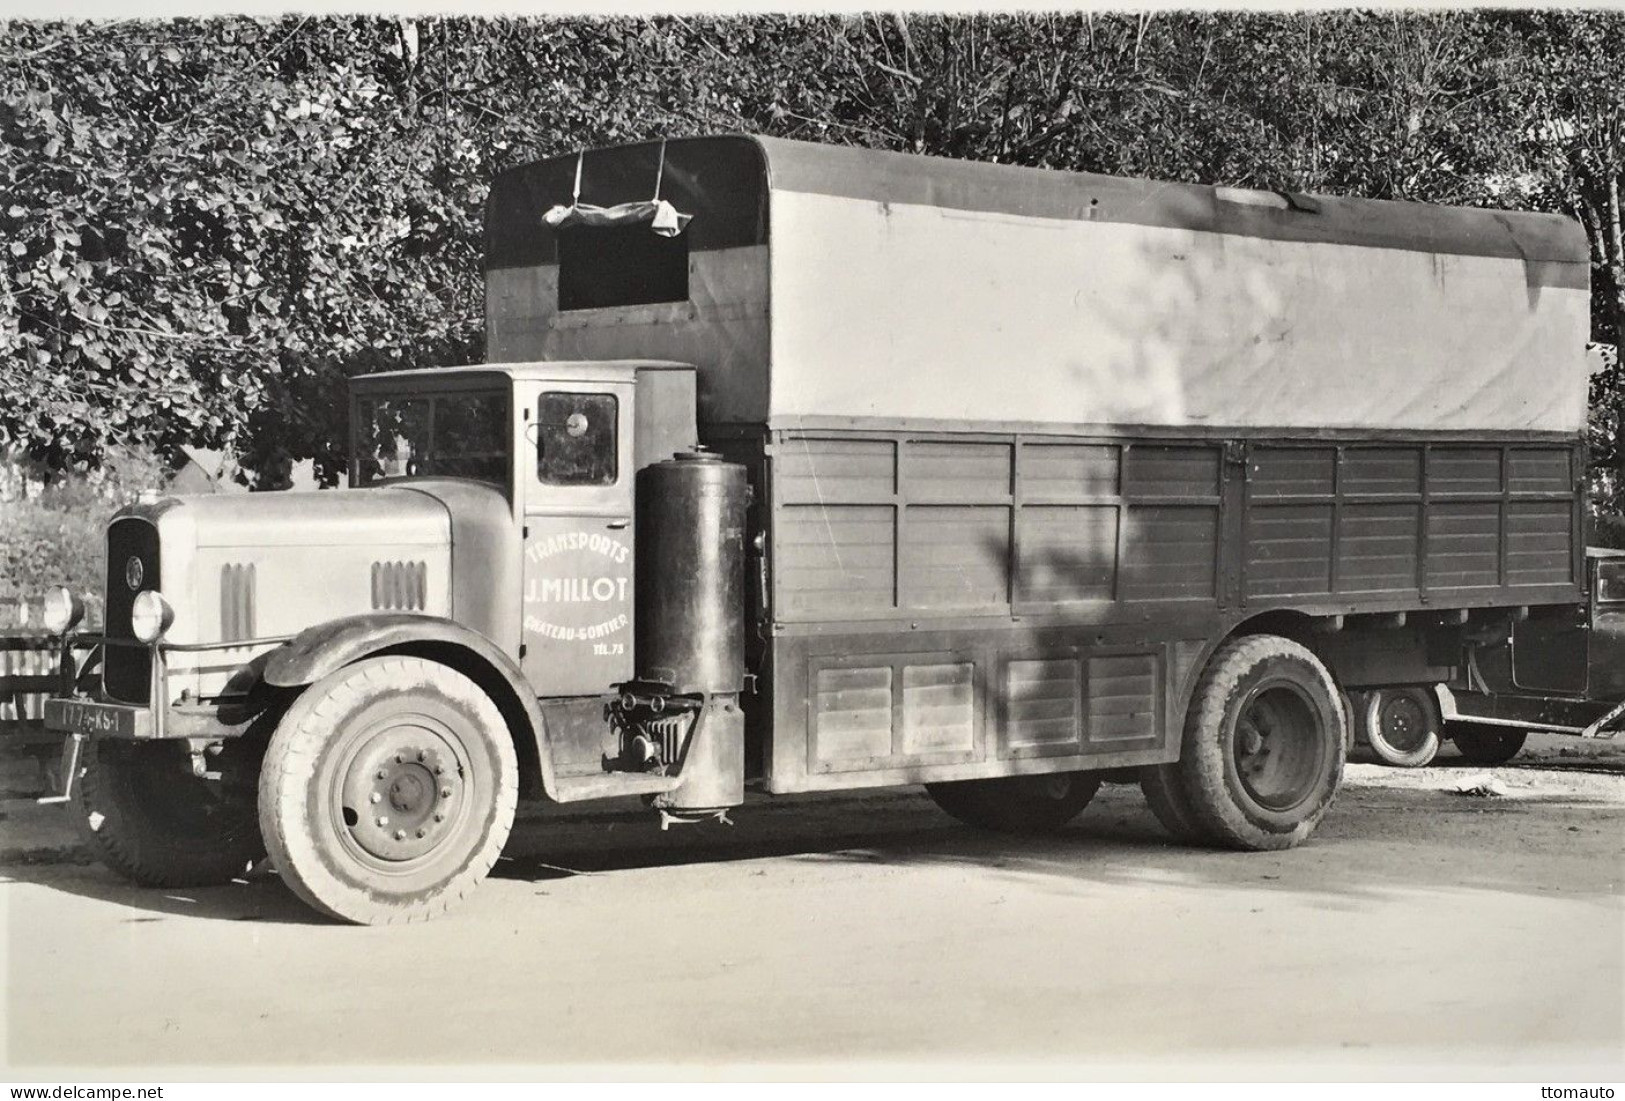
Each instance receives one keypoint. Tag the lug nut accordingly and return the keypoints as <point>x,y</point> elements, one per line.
<point>400,835</point>
<point>400,758</point>
<point>423,754</point>
<point>382,821</point>
<point>383,774</point>
<point>445,793</point>
<point>439,770</point>
<point>439,816</point>
<point>422,833</point>
<point>375,797</point>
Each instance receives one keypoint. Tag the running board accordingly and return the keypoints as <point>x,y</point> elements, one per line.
<point>610,785</point>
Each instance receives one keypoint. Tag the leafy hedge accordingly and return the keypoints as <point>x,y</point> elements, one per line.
<point>208,225</point>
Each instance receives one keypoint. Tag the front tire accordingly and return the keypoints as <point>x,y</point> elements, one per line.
<point>1401,725</point>
<point>1264,745</point>
<point>388,791</point>
<point>1017,804</point>
<point>144,815</point>
<point>1486,745</point>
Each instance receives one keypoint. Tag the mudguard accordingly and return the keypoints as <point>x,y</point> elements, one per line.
<point>317,651</point>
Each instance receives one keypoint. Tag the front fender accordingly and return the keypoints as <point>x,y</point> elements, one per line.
<point>317,651</point>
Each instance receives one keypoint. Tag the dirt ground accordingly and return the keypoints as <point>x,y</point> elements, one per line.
<point>1419,932</point>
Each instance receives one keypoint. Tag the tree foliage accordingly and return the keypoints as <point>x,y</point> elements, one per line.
<point>209,225</point>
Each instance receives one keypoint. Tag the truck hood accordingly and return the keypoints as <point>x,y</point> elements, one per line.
<point>392,515</point>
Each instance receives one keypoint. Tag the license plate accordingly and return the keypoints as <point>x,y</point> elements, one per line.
<point>103,720</point>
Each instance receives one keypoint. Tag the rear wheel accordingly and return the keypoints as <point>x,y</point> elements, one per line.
<point>1017,804</point>
<point>1264,745</point>
<point>147,817</point>
<point>1483,744</point>
<point>1401,725</point>
<point>388,790</point>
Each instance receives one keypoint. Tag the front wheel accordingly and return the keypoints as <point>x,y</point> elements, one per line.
<point>1401,725</point>
<point>1017,804</point>
<point>1264,745</point>
<point>388,790</point>
<point>144,814</point>
<point>1483,744</point>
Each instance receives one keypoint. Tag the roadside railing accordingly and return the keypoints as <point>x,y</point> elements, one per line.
<point>28,673</point>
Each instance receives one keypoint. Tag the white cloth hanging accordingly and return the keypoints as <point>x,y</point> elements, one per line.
<point>662,217</point>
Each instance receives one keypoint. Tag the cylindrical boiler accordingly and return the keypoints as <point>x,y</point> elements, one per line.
<point>690,576</point>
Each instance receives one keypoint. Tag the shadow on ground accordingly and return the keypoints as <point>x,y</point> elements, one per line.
<point>1376,844</point>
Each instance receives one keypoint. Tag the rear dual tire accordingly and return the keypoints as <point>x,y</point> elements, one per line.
<point>1017,804</point>
<point>1262,752</point>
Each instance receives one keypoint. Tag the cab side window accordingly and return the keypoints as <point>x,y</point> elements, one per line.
<point>1611,580</point>
<point>575,439</point>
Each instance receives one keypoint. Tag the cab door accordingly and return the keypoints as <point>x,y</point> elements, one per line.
<point>576,619</point>
<point>1607,651</point>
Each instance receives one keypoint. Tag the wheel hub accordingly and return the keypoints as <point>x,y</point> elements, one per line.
<point>1276,754</point>
<point>1403,726</point>
<point>400,795</point>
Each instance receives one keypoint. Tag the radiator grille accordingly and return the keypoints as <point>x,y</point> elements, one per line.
<point>400,586</point>
<point>236,602</point>
<point>126,670</point>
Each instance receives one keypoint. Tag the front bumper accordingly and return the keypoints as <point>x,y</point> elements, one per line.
<point>79,707</point>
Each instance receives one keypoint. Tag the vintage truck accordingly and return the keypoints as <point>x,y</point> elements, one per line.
<point>802,468</point>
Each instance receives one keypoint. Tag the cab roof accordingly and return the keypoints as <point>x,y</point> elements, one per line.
<point>603,370</point>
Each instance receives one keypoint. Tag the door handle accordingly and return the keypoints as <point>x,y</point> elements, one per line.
<point>617,525</point>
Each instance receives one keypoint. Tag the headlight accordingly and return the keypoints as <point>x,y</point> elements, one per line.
<point>150,616</point>
<point>62,612</point>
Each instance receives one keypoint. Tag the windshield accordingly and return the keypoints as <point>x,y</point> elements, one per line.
<point>460,434</point>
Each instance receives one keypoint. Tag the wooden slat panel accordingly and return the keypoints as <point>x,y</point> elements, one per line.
<point>1463,544</point>
<point>1294,471</point>
<point>1289,550</point>
<point>835,471</point>
<point>1043,704</point>
<point>954,557</point>
<point>1171,552</point>
<point>937,471</point>
<point>1385,470</point>
<point>834,558</point>
<point>1539,548</point>
<point>852,712</point>
<point>1151,471</point>
<point>1377,548</point>
<point>939,708</point>
<point>1463,470</point>
<point>1538,470</point>
<point>1122,698</point>
<point>1066,553</point>
<point>1062,472</point>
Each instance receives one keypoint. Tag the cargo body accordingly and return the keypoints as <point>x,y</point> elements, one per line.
<point>1028,445</point>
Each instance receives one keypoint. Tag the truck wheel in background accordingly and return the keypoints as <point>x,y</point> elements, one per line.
<point>388,790</point>
<point>145,816</point>
<point>1017,804</point>
<point>1401,725</point>
<point>1484,744</point>
<point>1264,744</point>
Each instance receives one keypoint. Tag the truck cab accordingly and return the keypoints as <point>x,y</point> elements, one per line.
<point>1558,668</point>
<point>366,680</point>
